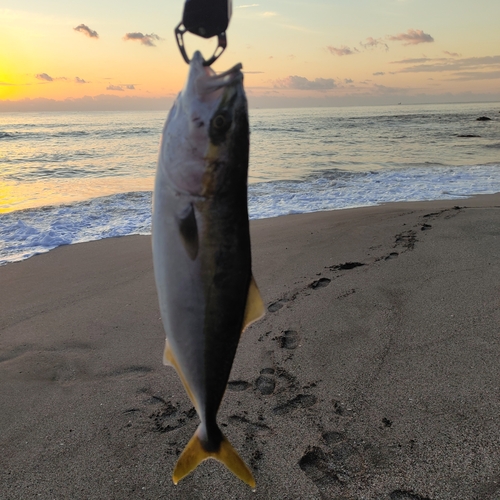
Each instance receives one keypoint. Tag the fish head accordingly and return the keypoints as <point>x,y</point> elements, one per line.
<point>207,123</point>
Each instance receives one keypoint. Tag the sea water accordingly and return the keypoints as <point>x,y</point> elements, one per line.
<point>73,177</point>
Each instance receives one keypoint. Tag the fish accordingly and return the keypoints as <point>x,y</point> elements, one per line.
<point>201,250</point>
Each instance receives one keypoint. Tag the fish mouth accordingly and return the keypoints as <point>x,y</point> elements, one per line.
<point>211,85</point>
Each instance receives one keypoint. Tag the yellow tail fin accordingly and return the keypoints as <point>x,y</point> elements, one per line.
<point>194,454</point>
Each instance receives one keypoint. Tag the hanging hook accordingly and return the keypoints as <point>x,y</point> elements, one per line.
<point>179,36</point>
<point>206,19</point>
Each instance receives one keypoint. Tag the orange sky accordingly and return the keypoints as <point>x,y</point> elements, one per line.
<point>294,53</point>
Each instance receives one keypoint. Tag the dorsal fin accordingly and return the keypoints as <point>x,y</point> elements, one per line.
<point>189,231</point>
<point>254,309</point>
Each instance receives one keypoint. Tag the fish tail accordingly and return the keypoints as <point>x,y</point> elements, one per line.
<point>194,453</point>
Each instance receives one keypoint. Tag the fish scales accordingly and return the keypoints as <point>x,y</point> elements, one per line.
<point>201,249</point>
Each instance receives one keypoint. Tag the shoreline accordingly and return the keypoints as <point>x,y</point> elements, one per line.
<point>374,373</point>
<point>141,220</point>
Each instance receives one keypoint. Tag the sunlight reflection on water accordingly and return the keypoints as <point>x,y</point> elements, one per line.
<point>19,195</point>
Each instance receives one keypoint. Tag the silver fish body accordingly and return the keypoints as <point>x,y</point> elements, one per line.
<point>201,249</point>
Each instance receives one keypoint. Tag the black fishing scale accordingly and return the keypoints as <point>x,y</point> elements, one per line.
<point>205,18</point>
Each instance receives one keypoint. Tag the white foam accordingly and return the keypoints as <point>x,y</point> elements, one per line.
<point>347,189</point>
<point>29,232</point>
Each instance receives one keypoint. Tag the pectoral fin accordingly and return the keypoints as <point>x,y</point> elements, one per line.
<point>194,454</point>
<point>255,305</point>
<point>188,229</point>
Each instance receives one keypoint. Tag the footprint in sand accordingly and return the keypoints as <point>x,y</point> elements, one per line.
<point>406,495</point>
<point>321,283</point>
<point>406,239</point>
<point>318,467</point>
<point>276,306</point>
<point>266,382</point>
<point>299,401</point>
<point>346,266</point>
<point>169,418</point>
<point>238,385</point>
<point>331,469</point>
<point>253,431</point>
<point>289,340</point>
<point>392,255</point>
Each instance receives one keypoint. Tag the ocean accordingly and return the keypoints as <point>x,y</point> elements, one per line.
<point>70,177</point>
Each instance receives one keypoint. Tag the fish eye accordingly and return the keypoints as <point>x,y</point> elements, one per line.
<point>219,125</point>
<point>219,121</point>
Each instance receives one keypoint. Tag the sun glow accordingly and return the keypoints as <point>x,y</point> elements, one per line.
<point>298,55</point>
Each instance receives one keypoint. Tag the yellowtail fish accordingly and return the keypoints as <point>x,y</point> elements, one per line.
<point>201,250</point>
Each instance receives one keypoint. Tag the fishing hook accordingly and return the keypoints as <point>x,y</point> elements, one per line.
<point>179,36</point>
<point>205,18</point>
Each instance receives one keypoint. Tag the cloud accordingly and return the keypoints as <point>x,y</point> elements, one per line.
<point>379,73</point>
<point>268,14</point>
<point>477,75</point>
<point>372,43</point>
<point>121,87</point>
<point>452,54</point>
<point>415,60</point>
<point>83,28</point>
<point>411,37</point>
<point>44,76</point>
<point>247,6</point>
<point>118,88</point>
<point>302,83</point>
<point>451,64</point>
<point>342,51</point>
<point>47,78</point>
<point>147,40</point>
<point>348,80</point>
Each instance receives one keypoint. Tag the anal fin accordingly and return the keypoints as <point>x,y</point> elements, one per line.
<point>168,355</point>
<point>169,359</point>
<point>254,309</point>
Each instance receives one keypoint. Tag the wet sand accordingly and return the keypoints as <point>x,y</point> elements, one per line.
<point>374,375</point>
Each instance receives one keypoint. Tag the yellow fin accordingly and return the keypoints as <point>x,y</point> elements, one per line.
<point>170,360</point>
<point>254,309</point>
<point>194,454</point>
<point>167,355</point>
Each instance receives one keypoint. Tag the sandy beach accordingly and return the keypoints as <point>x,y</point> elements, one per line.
<point>375,373</point>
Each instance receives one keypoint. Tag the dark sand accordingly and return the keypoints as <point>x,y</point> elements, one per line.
<point>375,376</point>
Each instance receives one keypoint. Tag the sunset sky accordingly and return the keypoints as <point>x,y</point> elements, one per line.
<point>110,54</point>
